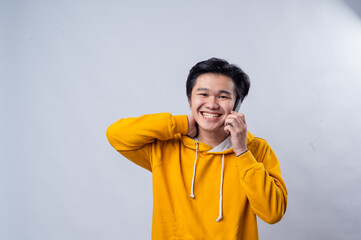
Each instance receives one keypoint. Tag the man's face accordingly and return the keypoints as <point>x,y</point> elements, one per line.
<point>213,98</point>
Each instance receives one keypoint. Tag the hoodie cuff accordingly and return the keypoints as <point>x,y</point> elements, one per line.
<point>246,161</point>
<point>180,124</point>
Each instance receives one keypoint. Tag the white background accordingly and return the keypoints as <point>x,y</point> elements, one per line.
<point>68,69</point>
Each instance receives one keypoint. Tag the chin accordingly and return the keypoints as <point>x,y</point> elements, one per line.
<point>211,127</point>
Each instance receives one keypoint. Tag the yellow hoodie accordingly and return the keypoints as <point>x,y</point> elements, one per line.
<point>200,193</point>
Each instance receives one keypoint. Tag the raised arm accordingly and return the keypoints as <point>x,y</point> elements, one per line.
<point>133,137</point>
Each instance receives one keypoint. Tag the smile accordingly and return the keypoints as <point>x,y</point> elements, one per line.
<point>210,115</point>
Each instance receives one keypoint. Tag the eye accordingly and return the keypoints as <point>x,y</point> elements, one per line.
<point>223,97</point>
<point>203,94</point>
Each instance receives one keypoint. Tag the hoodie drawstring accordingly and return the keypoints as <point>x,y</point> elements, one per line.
<point>221,193</point>
<point>194,171</point>
<point>221,186</point>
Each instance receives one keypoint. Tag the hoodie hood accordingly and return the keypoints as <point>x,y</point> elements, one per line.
<point>224,147</point>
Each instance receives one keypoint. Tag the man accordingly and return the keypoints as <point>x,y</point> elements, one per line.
<point>211,177</point>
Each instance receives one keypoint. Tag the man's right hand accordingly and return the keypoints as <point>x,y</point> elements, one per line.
<point>192,127</point>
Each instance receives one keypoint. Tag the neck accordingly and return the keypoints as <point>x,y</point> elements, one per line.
<point>211,138</point>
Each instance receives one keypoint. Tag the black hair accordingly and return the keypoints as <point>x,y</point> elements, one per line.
<point>220,66</point>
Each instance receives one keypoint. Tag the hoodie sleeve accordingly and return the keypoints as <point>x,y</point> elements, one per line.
<point>261,179</point>
<point>133,137</point>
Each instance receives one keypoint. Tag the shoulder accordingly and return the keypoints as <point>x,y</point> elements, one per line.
<point>258,142</point>
<point>259,147</point>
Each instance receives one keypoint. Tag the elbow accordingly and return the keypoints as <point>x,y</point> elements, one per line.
<point>275,213</point>
<point>272,219</point>
<point>110,133</point>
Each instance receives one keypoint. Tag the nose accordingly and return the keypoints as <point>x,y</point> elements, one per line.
<point>212,103</point>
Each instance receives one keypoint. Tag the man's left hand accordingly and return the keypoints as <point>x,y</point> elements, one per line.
<point>235,125</point>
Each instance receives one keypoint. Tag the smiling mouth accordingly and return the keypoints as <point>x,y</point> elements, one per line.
<point>210,115</point>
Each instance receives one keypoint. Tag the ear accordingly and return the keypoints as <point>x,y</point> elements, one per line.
<point>189,102</point>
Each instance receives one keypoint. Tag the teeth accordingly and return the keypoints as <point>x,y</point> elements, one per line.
<point>210,115</point>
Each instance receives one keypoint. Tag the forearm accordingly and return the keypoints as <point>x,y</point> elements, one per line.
<point>133,133</point>
<point>264,188</point>
<point>134,137</point>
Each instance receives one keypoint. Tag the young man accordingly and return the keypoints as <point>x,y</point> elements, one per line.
<point>211,177</point>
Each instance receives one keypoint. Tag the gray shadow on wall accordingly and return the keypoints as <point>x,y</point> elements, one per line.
<point>355,5</point>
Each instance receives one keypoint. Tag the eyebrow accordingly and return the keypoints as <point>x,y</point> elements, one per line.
<point>220,91</point>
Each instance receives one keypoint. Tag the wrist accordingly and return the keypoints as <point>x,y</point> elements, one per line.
<point>240,152</point>
<point>180,124</point>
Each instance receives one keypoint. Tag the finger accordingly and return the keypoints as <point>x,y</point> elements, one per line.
<point>240,116</point>
<point>243,117</point>
<point>229,124</point>
<point>235,121</point>
<point>226,129</point>
<point>235,124</point>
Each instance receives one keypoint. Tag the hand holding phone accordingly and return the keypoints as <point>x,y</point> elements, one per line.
<point>235,125</point>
